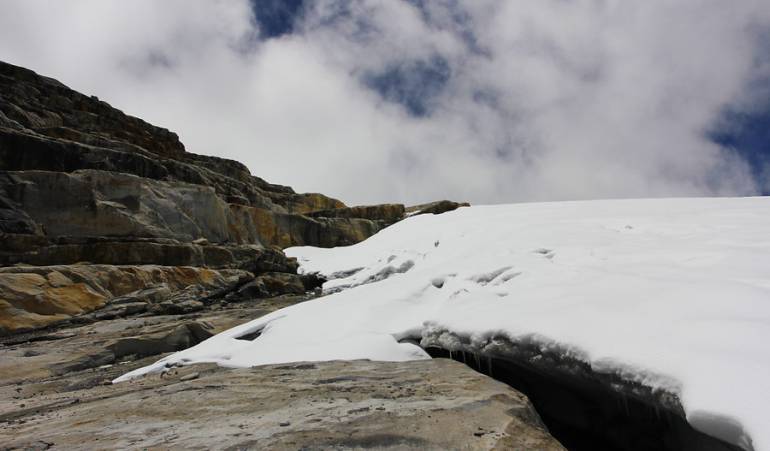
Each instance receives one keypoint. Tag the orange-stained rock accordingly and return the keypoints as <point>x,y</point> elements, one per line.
<point>35,296</point>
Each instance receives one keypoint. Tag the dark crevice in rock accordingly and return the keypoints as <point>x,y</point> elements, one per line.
<point>344,274</point>
<point>586,414</point>
<point>32,338</point>
<point>312,282</point>
<point>222,293</point>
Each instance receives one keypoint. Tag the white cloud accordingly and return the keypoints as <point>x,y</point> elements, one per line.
<point>546,99</point>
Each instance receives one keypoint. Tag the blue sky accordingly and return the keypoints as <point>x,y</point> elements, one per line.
<point>411,100</point>
<point>276,17</point>
<point>749,135</point>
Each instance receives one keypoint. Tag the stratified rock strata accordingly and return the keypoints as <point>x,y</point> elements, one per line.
<point>82,183</point>
<point>33,297</point>
<point>74,166</point>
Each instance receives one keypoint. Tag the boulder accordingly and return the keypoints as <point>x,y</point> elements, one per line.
<point>272,284</point>
<point>180,337</point>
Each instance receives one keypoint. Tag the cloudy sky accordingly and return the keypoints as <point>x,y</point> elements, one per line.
<point>413,100</point>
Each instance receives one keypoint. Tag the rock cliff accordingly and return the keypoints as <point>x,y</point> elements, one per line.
<point>84,185</point>
<point>76,167</point>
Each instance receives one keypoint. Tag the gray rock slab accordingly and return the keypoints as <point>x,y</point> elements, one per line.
<point>430,404</point>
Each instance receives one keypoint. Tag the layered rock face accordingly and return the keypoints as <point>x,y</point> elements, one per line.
<point>76,167</point>
<point>82,183</point>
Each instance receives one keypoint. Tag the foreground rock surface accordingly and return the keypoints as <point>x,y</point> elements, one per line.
<point>431,404</point>
<point>55,392</point>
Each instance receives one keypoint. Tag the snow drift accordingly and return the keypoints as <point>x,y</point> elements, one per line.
<point>671,293</point>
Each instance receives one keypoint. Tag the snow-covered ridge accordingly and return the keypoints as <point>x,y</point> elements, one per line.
<point>674,293</point>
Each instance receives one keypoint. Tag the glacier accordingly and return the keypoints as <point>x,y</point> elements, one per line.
<point>671,293</point>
